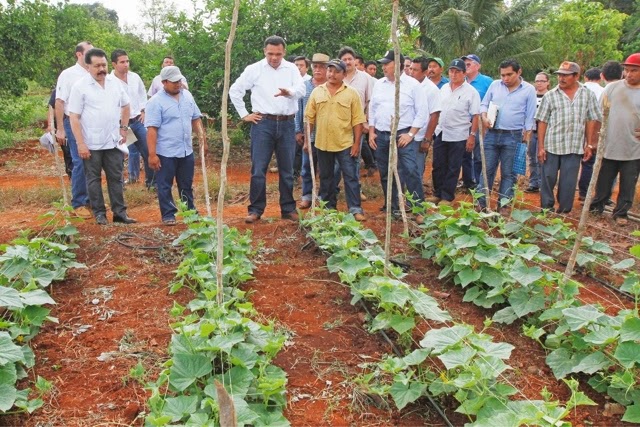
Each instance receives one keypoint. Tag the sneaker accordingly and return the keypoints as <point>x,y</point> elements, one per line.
<point>359,217</point>
<point>620,220</point>
<point>82,212</point>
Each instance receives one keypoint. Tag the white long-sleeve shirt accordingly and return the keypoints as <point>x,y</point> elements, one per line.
<point>414,105</point>
<point>265,82</point>
<point>134,86</point>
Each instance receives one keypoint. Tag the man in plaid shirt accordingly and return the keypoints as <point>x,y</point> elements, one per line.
<point>568,121</point>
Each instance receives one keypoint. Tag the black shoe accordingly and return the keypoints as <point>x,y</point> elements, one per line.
<point>532,190</point>
<point>609,202</point>
<point>101,220</point>
<point>123,219</point>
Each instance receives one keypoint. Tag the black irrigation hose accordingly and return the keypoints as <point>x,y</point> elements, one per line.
<point>123,237</point>
<point>395,349</point>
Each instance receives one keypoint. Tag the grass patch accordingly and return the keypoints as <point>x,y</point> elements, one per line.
<point>37,196</point>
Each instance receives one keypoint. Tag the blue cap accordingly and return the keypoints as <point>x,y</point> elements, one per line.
<point>458,64</point>
<point>473,57</point>
<point>338,64</point>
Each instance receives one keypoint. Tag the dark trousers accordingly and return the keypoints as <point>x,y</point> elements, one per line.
<point>138,129</point>
<point>268,137</point>
<point>347,166</point>
<point>585,175</point>
<point>628,171</point>
<point>367,153</point>
<point>563,170</point>
<point>111,162</point>
<point>181,169</point>
<point>447,160</point>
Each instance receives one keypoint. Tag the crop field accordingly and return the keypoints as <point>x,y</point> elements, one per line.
<point>472,322</point>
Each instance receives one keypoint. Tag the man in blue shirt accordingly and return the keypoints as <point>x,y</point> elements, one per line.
<point>516,103</point>
<point>472,162</point>
<point>171,116</point>
<point>435,68</point>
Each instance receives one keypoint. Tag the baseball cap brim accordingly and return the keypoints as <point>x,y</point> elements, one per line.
<point>564,72</point>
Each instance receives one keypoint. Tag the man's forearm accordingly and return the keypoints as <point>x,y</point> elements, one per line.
<point>59,110</point>
<point>76,128</point>
<point>431,126</point>
<point>124,115</point>
<point>152,140</point>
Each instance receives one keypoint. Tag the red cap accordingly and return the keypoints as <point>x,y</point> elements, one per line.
<point>633,59</point>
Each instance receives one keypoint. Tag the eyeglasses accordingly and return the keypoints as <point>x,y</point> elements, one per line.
<point>541,81</point>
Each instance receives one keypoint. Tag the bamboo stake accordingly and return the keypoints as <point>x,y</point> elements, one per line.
<point>225,152</point>
<point>203,162</point>
<point>59,168</point>
<point>314,191</point>
<point>568,272</point>
<point>484,166</point>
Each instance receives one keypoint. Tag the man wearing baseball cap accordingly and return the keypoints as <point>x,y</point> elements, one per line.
<point>456,132</point>
<point>414,114</point>
<point>622,142</point>
<point>319,76</point>
<point>567,114</point>
<point>435,68</point>
<point>335,111</point>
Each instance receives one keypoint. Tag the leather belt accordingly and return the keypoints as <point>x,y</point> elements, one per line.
<point>500,131</point>
<point>278,118</point>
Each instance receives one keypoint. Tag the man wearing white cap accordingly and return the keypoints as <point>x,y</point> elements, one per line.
<point>567,114</point>
<point>172,114</point>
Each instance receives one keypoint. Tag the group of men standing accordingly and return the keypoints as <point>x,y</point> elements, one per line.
<point>97,110</point>
<point>558,127</point>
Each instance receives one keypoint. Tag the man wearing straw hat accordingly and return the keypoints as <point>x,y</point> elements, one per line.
<point>622,142</point>
<point>171,115</point>
<point>568,113</point>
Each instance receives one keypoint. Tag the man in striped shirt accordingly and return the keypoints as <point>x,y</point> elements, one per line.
<point>568,113</point>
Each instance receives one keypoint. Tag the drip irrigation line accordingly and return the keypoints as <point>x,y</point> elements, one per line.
<point>123,237</point>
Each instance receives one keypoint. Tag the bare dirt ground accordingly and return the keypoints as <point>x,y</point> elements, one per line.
<point>114,313</point>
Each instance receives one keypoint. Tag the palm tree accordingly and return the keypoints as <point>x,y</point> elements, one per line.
<point>489,28</point>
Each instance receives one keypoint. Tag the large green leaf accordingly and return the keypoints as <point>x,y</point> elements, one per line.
<point>468,275</point>
<point>401,324</point>
<point>403,394</point>
<point>491,256</point>
<point>180,407</point>
<point>36,297</point>
<point>561,362</point>
<point>592,363</point>
<point>628,354</point>
<point>457,357</point>
<point>9,352</point>
<point>7,396</point>
<point>630,330</point>
<point>427,307</point>
<point>525,275</point>
<point>440,339</point>
<point>397,295</point>
<point>601,335</point>
<point>632,414</point>
<point>466,241</point>
<point>524,302</point>
<point>187,368</point>
<point>10,298</point>
<point>579,317</point>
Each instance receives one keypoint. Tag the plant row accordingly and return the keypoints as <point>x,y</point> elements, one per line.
<point>473,363</point>
<point>218,342</point>
<point>491,258</point>
<point>27,268</point>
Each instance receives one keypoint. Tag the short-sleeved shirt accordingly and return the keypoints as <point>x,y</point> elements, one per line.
<point>156,85</point>
<point>433,97</point>
<point>481,83</point>
<point>66,80</point>
<point>136,91</point>
<point>566,119</point>
<point>414,108</point>
<point>99,109</point>
<point>624,117</point>
<point>173,119</point>
<point>458,108</point>
<point>362,83</point>
<point>443,81</point>
<point>334,116</point>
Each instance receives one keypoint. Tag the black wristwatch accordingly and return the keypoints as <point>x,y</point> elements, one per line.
<point>124,128</point>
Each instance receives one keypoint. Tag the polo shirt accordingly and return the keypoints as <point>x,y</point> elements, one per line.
<point>99,109</point>
<point>458,108</point>
<point>566,119</point>
<point>136,91</point>
<point>481,83</point>
<point>516,108</point>
<point>173,119</point>
<point>443,81</point>
<point>334,116</point>
<point>66,80</point>
<point>414,111</point>
<point>264,82</point>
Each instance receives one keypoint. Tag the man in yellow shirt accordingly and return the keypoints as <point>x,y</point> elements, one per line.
<point>336,112</point>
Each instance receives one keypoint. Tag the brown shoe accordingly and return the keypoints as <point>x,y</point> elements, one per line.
<point>504,211</point>
<point>251,218</point>
<point>291,216</point>
<point>420,219</point>
<point>359,217</point>
<point>446,202</point>
<point>433,199</point>
<point>82,212</point>
<point>621,221</point>
<point>304,204</point>
<point>363,198</point>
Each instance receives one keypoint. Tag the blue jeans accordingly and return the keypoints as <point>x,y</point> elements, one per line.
<point>134,164</point>
<point>141,144</point>
<point>407,167</point>
<point>499,148</point>
<point>79,192</point>
<point>447,160</point>
<point>181,169</point>
<point>269,136</point>
<point>348,167</point>
<point>534,165</point>
<point>305,172</point>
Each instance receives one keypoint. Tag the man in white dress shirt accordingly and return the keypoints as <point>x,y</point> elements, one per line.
<point>133,85</point>
<point>64,135</point>
<point>275,86</point>
<point>156,83</point>
<point>99,115</point>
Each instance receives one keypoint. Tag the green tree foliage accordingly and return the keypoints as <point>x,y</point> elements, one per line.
<point>584,32</point>
<point>631,31</point>
<point>308,27</point>
<point>489,28</point>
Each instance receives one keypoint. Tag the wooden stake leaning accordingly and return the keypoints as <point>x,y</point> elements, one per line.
<point>484,166</point>
<point>205,181</point>
<point>59,169</point>
<point>225,153</point>
<point>568,272</point>
<point>314,192</point>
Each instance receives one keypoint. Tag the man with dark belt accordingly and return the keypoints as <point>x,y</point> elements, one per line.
<point>275,86</point>
<point>515,100</point>
<point>414,113</point>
